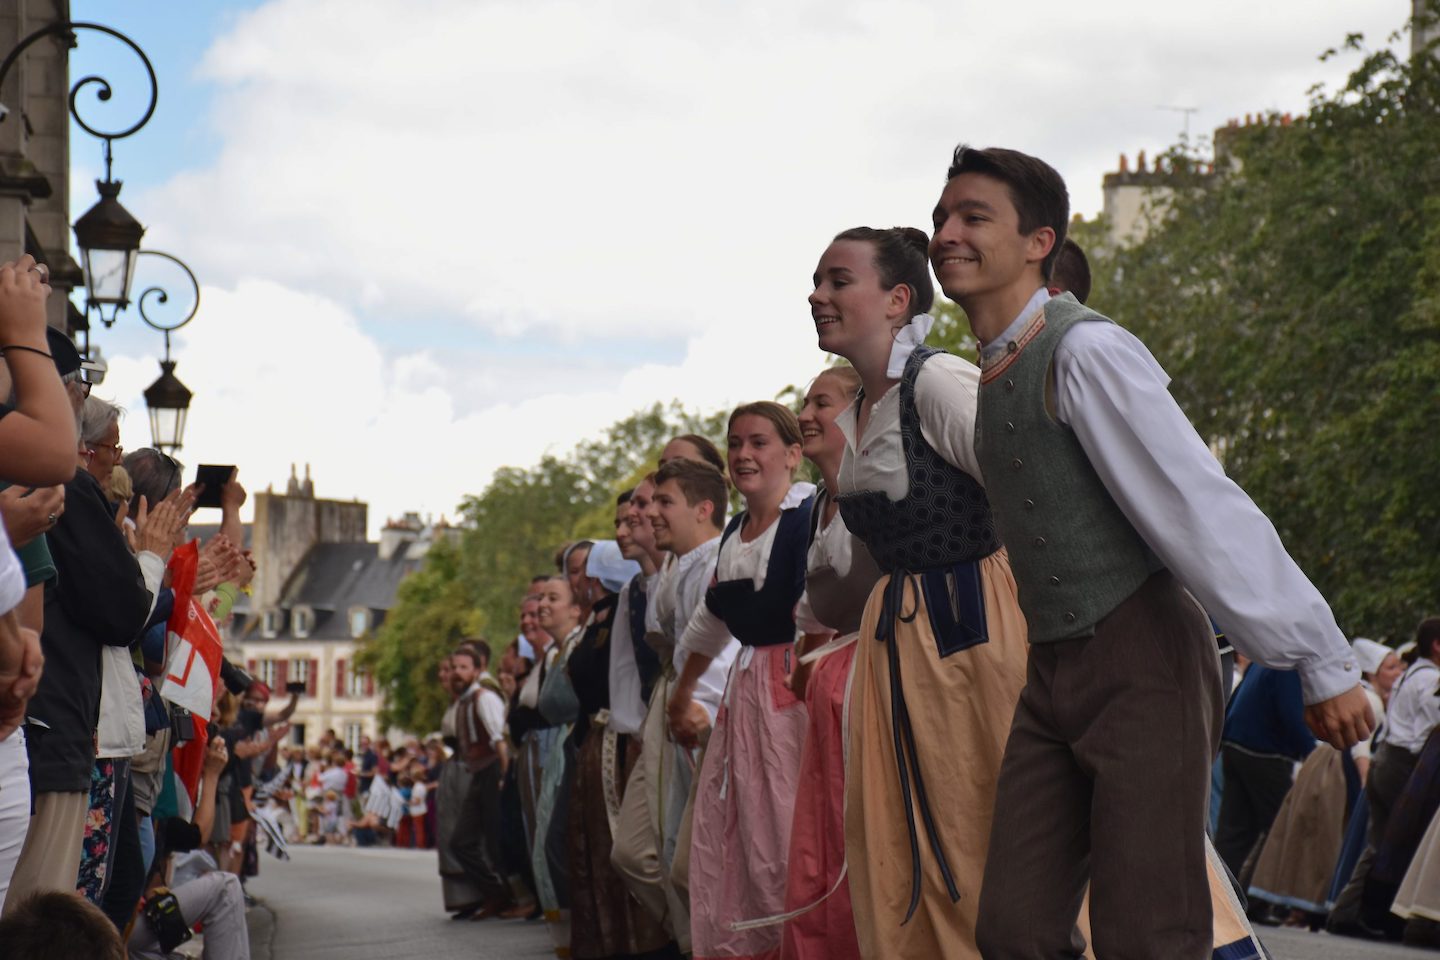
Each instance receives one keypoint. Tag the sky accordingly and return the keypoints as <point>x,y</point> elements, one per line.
<point>440,237</point>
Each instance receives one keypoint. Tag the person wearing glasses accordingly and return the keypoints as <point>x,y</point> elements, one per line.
<point>100,449</point>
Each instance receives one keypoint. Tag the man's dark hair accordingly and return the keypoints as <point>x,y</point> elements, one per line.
<point>477,649</point>
<point>1427,635</point>
<point>58,926</point>
<point>1036,189</point>
<point>1072,271</point>
<point>697,481</point>
<point>902,255</point>
<point>624,497</point>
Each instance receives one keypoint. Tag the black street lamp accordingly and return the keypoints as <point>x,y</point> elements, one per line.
<point>109,239</point>
<point>108,236</point>
<point>168,401</point>
<point>167,398</point>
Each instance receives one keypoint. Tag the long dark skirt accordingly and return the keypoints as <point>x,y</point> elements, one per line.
<point>605,919</point>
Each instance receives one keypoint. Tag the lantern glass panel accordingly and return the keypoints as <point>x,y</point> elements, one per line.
<point>108,274</point>
<point>167,427</point>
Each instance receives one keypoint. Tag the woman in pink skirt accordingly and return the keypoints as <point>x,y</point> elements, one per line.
<point>745,795</point>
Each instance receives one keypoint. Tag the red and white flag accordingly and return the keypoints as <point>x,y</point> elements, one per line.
<point>192,662</point>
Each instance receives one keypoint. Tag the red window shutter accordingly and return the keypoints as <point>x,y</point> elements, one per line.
<point>369,684</point>
<point>250,667</point>
<point>312,679</point>
<point>339,678</point>
<point>282,670</point>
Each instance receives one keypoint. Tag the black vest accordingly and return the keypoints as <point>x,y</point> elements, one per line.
<point>943,519</point>
<point>647,661</point>
<point>766,617</point>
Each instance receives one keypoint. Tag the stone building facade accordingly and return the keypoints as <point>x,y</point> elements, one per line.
<point>321,588</point>
<point>35,151</point>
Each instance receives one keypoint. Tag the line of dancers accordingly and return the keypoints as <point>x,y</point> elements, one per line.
<point>960,700</point>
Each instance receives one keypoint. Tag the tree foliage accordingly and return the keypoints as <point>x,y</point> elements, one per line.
<point>510,533</point>
<point>1292,297</point>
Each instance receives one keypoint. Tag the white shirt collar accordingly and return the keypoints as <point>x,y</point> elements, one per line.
<point>996,348</point>
<point>688,560</point>
<point>798,492</point>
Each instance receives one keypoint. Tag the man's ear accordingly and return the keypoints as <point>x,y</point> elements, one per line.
<point>1039,244</point>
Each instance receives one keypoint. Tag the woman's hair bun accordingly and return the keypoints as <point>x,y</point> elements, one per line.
<point>916,238</point>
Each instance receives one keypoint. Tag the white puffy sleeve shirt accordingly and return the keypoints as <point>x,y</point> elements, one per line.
<point>946,398</point>
<point>679,594</point>
<point>1114,395</point>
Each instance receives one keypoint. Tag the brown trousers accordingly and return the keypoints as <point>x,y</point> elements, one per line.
<point>1106,778</point>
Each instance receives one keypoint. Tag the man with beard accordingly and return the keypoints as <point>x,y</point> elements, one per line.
<point>462,895</point>
<point>481,746</point>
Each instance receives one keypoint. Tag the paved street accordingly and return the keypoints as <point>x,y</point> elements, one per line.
<point>333,903</point>
<point>1302,945</point>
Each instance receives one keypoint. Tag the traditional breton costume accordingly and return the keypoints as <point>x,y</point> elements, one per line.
<point>477,842</point>
<point>839,577</point>
<point>605,920</point>
<point>658,797</point>
<point>745,795</point>
<point>559,705</point>
<point>534,736</point>
<point>938,666</point>
<point>1101,489</point>
<point>1297,860</point>
<point>458,890</point>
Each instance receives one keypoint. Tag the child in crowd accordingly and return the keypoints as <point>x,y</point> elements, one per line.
<point>329,826</point>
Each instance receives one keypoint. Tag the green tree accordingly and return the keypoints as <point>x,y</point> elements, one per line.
<point>510,532</point>
<point>431,614</point>
<point>1291,295</point>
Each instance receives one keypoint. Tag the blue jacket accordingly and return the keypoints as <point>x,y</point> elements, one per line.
<point>1267,714</point>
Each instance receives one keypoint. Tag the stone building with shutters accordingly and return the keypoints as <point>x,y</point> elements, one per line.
<point>321,588</point>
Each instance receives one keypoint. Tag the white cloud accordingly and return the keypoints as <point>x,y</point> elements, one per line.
<point>595,173</point>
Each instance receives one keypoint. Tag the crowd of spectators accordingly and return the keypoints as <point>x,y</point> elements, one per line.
<point>104,849</point>
<point>1345,840</point>
<point>377,795</point>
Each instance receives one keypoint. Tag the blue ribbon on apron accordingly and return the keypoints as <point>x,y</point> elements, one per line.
<point>956,605</point>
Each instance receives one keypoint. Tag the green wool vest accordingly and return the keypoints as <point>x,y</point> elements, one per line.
<point>1074,555</point>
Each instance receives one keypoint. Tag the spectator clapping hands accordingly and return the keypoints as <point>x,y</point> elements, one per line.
<point>160,529</point>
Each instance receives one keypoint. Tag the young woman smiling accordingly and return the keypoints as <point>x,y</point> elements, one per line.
<point>839,576</point>
<point>559,616</point>
<point>746,790</point>
<point>941,657</point>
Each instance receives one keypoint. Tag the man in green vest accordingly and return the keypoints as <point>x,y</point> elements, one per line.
<point>1117,519</point>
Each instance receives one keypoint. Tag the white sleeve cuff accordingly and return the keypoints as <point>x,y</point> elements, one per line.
<point>1329,677</point>
<point>152,568</point>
